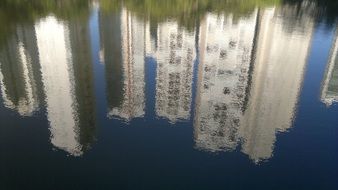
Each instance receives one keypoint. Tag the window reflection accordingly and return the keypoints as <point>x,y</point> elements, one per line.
<point>225,57</point>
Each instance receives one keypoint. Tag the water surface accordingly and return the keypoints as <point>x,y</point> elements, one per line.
<point>192,94</point>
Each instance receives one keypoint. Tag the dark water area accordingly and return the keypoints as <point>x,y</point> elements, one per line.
<point>146,94</point>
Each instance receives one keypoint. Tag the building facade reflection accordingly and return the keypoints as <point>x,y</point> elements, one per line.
<point>249,79</point>
<point>56,69</point>
<point>111,56</point>
<point>280,61</point>
<point>329,93</point>
<point>174,53</point>
<point>19,72</point>
<point>225,53</point>
<point>132,103</point>
<point>68,83</point>
<point>83,89</point>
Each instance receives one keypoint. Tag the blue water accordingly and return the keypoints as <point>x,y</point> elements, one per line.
<point>150,151</point>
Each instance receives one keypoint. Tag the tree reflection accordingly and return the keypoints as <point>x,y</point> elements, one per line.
<point>31,11</point>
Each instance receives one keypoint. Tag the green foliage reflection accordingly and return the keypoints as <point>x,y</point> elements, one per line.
<point>186,12</point>
<point>14,12</point>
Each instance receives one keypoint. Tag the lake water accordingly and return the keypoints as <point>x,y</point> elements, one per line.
<point>194,94</point>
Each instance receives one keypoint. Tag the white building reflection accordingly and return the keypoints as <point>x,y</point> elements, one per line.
<point>57,72</point>
<point>19,71</point>
<point>281,58</point>
<point>175,53</point>
<point>250,75</point>
<point>66,74</point>
<point>225,53</point>
<point>133,57</point>
<point>329,93</point>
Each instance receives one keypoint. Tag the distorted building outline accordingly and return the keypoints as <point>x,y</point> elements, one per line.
<point>329,93</point>
<point>225,56</point>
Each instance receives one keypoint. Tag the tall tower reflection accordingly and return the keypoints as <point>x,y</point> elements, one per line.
<point>225,54</point>
<point>175,52</point>
<point>84,81</point>
<point>68,82</point>
<point>330,83</point>
<point>111,57</point>
<point>131,103</point>
<point>281,58</point>
<point>19,72</point>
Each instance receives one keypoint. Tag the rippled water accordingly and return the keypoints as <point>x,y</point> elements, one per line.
<point>192,94</point>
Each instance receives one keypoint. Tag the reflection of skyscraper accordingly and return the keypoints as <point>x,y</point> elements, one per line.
<point>84,81</point>
<point>56,70</point>
<point>281,57</point>
<point>68,83</point>
<point>133,51</point>
<point>111,57</point>
<point>225,55</point>
<point>175,55</point>
<point>330,83</point>
<point>19,72</point>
